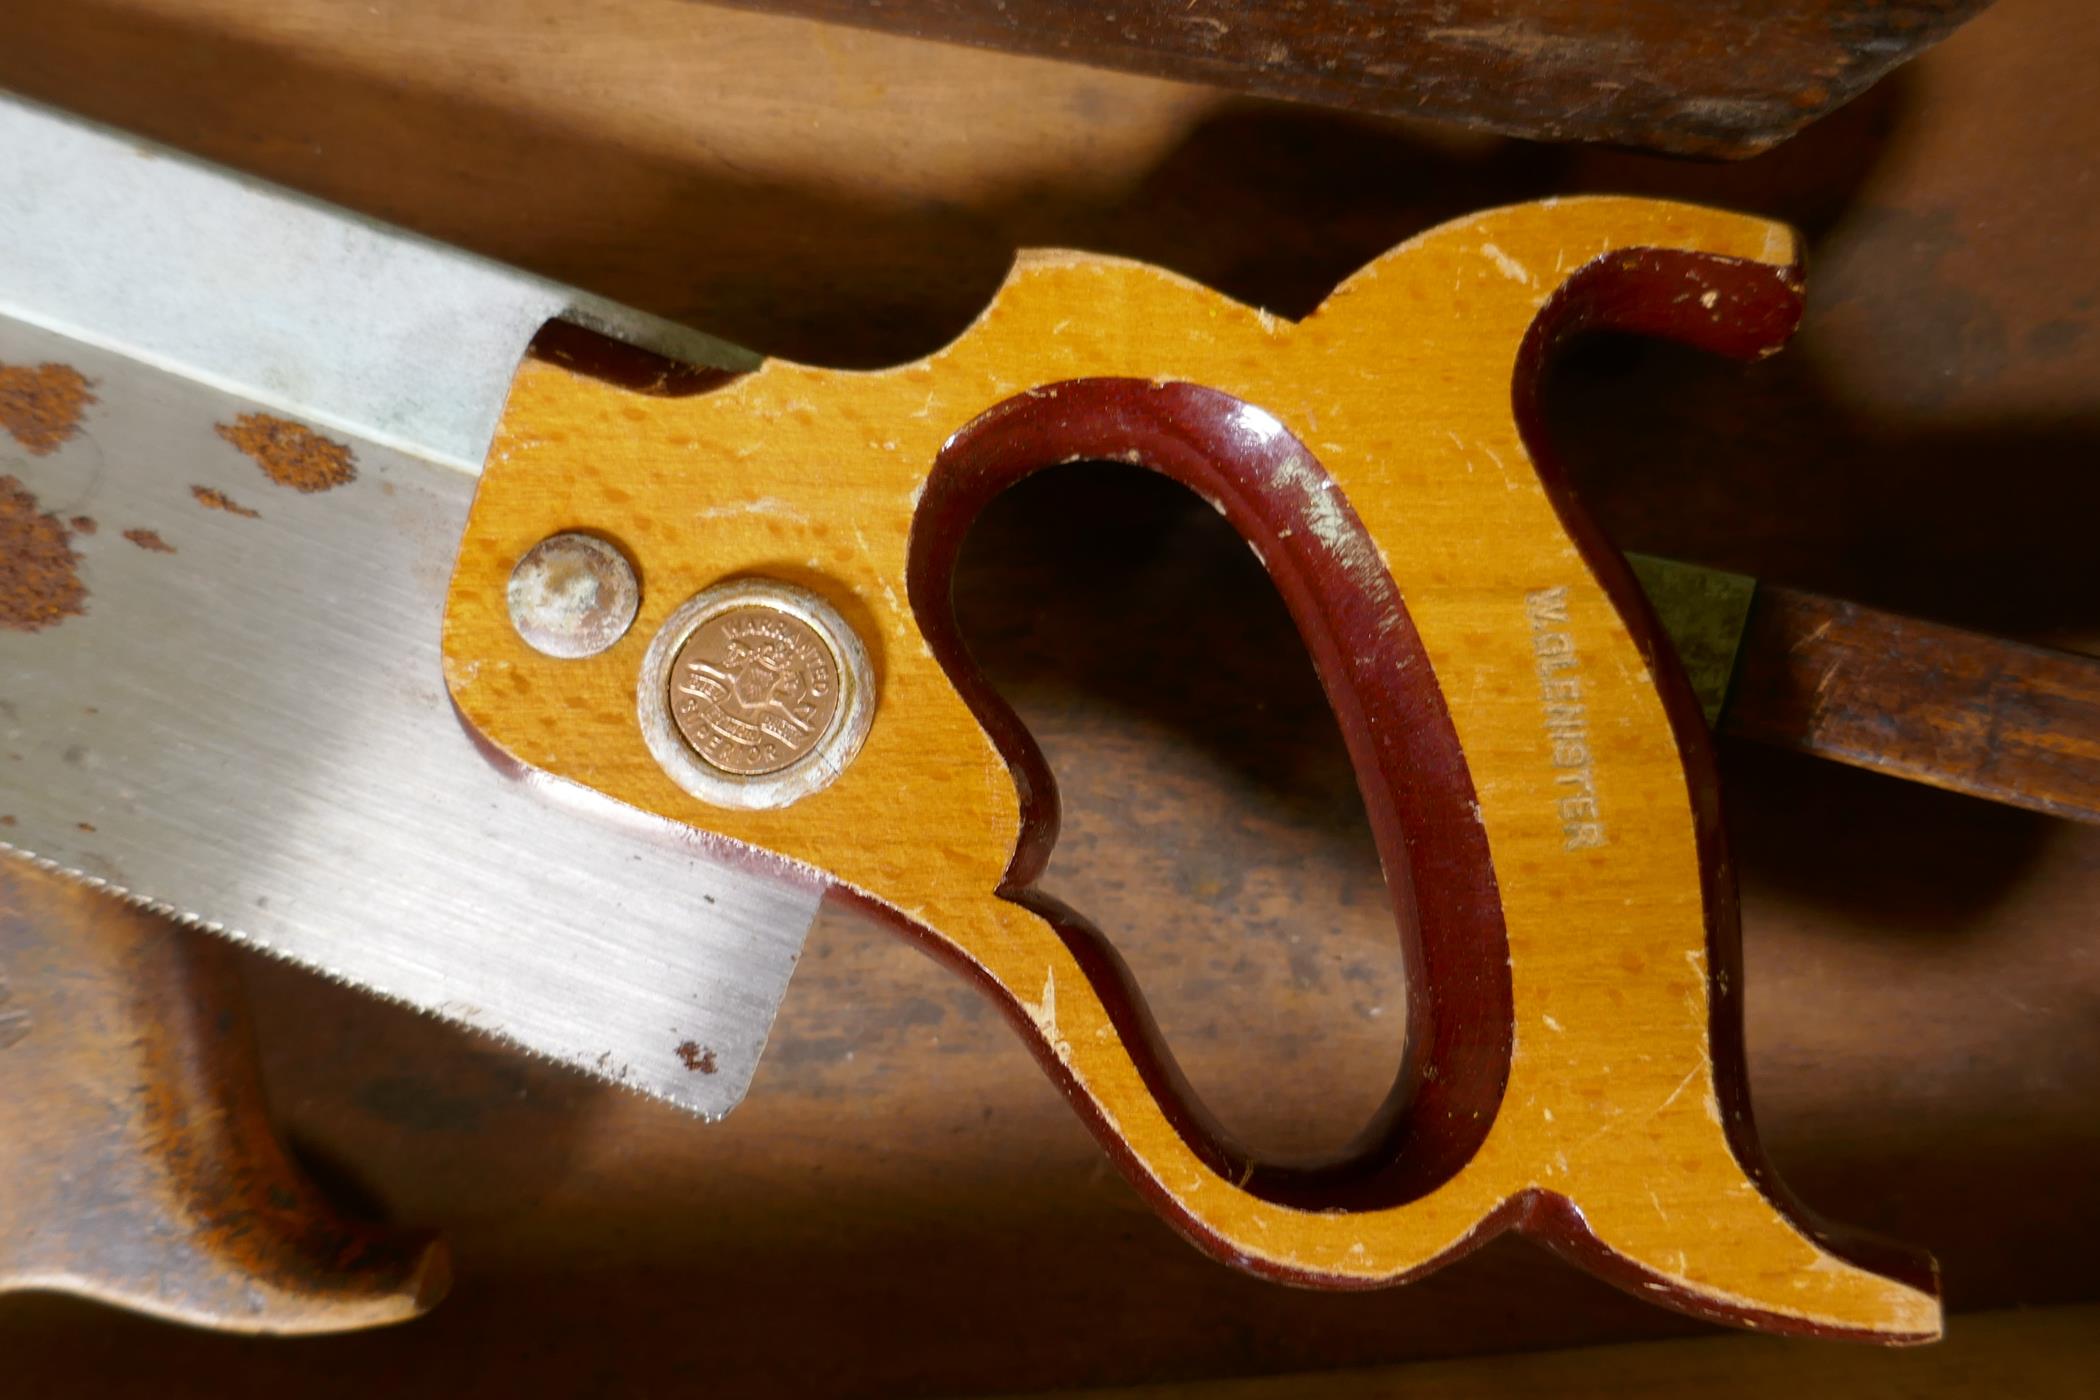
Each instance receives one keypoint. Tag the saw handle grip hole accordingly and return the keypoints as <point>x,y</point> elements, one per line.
<point>1343,1043</point>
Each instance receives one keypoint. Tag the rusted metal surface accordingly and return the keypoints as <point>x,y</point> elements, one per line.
<point>291,454</point>
<point>1696,77</point>
<point>148,540</point>
<point>137,1164</point>
<point>211,498</point>
<point>39,572</point>
<point>1917,700</point>
<point>40,405</point>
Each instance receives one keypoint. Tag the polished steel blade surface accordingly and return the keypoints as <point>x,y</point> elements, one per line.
<point>310,309</point>
<point>246,725</point>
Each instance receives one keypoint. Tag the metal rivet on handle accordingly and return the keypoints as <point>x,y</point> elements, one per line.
<point>755,694</point>
<point>573,596</point>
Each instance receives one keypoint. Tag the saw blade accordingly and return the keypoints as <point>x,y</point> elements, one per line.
<point>312,309</point>
<point>220,683</point>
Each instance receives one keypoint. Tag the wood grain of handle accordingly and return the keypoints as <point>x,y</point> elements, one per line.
<point>1536,774</point>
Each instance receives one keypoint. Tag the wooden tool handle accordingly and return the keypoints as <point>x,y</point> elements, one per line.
<point>1535,772</point>
<point>1417,789</point>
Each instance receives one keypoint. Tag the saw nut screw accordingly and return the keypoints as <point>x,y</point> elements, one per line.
<point>573,596</point>
<point>755,694</point>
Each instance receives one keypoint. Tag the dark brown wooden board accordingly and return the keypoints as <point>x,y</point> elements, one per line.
<point>1921,701</point>
<point>1725,78</point>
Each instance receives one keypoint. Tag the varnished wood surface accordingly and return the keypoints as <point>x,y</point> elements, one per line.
<point>1725,78</point>
<point>1921,701</point>
<point>905,1205</point>
<point>1376,456</point>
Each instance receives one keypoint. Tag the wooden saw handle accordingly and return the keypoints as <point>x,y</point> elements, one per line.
<point>1536,775</point>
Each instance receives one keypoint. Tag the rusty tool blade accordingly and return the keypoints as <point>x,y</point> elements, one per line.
<point>241,437</point>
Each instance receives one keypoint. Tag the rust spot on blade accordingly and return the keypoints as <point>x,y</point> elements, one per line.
<point>289,454</point>
<point>150,541</point>
<point>83,524</point>
<point>39,572</point>
<point>219,500</point>
<point>41,405</point>
<point>695,1057</point>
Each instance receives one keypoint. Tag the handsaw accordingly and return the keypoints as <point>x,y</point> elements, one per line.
<point>234,700</point>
